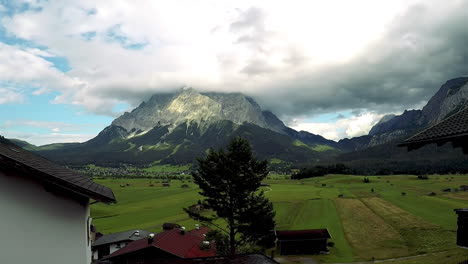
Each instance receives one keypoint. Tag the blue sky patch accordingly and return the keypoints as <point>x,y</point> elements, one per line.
<point>114,34</point>
<point>329,117</point>
<point>88,36</point>
<point>45,111</point>
<point>61,63</point>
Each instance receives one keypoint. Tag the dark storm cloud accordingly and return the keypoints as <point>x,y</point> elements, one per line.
<point>420,50</point>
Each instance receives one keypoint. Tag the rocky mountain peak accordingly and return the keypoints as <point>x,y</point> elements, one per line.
<point>190,106</point>
<point>451,98</point>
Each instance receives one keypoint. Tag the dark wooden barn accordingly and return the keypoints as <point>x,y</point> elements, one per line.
<point>302,242</point>
<point>453,129</point>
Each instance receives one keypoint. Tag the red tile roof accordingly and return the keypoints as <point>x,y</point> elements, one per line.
<point>185,245</point>
<point>302,234</point>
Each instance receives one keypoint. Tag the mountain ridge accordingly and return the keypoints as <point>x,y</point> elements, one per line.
<point>179,127</point>
<point>451,97</point>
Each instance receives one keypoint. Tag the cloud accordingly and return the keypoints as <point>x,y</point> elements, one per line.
<point>26,68</point>
<point>46,132</point>
<point>10,95</point>
<point>40,139</point>
<point>354,126</point>
<point>296,58</point>
<point>52,126</point>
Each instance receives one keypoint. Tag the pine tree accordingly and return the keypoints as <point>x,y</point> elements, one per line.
<point>230,181</point>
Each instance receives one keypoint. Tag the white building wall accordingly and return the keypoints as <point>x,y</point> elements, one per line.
<point>37,226</point>
<point>114,247</point>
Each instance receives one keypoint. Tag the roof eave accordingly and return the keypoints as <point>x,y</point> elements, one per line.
<point>45,177</point>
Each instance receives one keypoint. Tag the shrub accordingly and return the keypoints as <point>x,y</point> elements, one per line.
<point>331,244</point>
<point>423,177</point>
<point>366,180</point>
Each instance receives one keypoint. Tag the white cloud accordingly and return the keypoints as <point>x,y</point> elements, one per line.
<point>343,128</point>
<point>10,95</point>
<point>296,57</point>
<point>52,126</point>
<point>212,45</point>
<point>25,67</point>
<point>40,139</point>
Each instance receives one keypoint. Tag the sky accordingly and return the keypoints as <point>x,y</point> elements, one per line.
<point>331,67</point>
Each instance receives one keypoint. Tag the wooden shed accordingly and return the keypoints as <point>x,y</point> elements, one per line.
<point>302,242</point>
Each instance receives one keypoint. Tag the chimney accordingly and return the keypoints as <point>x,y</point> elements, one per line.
<point>206,244</point>
<point>137,233</point>
<point>182,230</point>
<point>462,231</point>
<point>150,238</point>
<point>197,226</point>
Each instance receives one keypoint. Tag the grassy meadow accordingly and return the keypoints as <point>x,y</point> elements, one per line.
<point>366,220</point>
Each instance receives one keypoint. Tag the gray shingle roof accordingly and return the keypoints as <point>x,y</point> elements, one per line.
<point>129,235</point>
<point>50,172</point>
<point>452,129</point>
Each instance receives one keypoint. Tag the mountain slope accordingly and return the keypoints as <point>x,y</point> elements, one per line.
<point>179,127</point>
<point>449,99</point>
<point>379,151</point>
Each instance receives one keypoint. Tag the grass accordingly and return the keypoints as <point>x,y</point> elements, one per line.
<point>370,235</point>
<point>322,148</point>
<point>363,224</point>
<point>167,168</point>
<point>318,147</point>
<point>275,161</point>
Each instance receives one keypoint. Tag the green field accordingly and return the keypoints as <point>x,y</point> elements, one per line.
<point>364,225</point>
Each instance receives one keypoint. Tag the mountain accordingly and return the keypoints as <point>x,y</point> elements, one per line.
<point>176,128</point>
<point>449,99</point>
<point>379,151</point>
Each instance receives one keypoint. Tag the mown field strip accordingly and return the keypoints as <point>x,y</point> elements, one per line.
<point>369,235</point>
<point>394,215</point>
<point>412,228</point>
<point>433,209</point>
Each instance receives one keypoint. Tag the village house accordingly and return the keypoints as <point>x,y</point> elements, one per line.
<point>302,242</point>
<point>453,129</point>
<point>235,259</point>
<point>168,245</point>
<point>45,209</point>
<point>110,243</point>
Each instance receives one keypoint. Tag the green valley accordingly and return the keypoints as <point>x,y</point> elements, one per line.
<point>389,217</point>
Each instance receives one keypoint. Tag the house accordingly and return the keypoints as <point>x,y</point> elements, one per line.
<point>45,209</point>
<point>168,245</point>
<point>299,242</point>
<point>110,243</point>
<point>235,259</point>
<point>169,226</point>
<point>453,129</point>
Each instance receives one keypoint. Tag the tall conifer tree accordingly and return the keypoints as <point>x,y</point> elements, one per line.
<point>230,181</point>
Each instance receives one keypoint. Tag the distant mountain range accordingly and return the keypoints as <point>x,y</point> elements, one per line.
<point>377,152</point>
<point>175,128</point>
<point>451,98</point>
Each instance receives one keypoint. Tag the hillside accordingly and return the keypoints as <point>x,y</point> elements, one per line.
<point>179,127</point>
<point>378,151</point>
